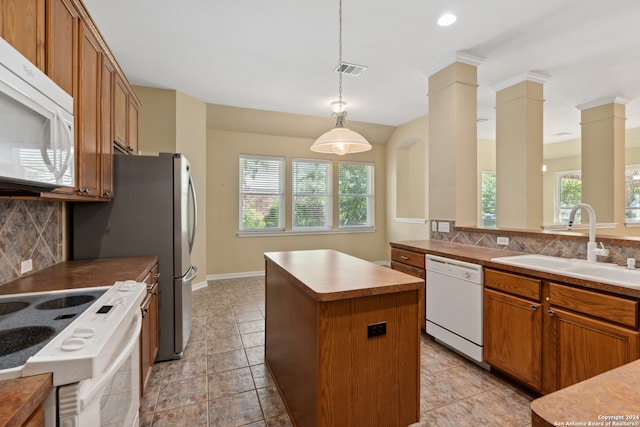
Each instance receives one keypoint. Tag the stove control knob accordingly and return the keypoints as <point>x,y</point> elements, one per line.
<point>127,286</point>
<point>84,332</point>
<point>73,344</point>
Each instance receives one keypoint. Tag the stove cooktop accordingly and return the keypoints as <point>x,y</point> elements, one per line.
<point>29,321</point>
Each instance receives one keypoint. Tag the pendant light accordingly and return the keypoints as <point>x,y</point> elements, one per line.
<point>340,140</point>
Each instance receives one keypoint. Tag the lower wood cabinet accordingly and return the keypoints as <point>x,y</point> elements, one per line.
<point>149,332</point>
<point>512,336</point>
<point>549,335</point>
<point>412,263</point>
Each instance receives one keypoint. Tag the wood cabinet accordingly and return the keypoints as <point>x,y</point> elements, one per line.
<point>62,19</point>
<point>22,24</point>
<point>60,37</point>
<point>412,263</point>
<point>588,333</point>
<point>513,326</point>
<point>88,114</point>
<point>149,331</point>
<point>108,77</point>
<point>583,332</point>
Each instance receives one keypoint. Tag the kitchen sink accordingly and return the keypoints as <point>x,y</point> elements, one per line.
<point>577,268</point>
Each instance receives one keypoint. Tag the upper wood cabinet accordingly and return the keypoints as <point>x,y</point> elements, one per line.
<point>60,37</point>
<point>106,145</point>
<point>62,44</point>
<point>22,23</point>
<point>88,114</point>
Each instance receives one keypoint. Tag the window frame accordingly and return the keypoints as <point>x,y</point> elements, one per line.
<point>482,199</point>
<point>280,193</point>
<point>370,196</point>
<point>559,208</point>
<point>327,196</point>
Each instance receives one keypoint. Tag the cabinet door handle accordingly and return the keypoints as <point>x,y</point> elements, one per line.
<point>551,313</point>
<point>106,194</point>
<point>534,307</point>
<point>404,257</point>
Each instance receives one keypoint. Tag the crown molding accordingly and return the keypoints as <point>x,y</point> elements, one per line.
<point>531,76</point>
<point>603,101</point>
<point>465,58</point>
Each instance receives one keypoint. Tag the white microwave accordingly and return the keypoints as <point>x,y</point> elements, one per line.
<point>36,127</point>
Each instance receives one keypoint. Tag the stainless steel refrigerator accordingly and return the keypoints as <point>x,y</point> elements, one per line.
<point>153,212</point>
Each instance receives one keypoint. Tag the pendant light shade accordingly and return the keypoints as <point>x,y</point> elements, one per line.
<point>340,140</point>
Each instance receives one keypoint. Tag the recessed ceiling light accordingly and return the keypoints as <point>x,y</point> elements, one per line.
<point>447,19</point>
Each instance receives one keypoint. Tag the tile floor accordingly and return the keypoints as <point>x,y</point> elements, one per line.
<point>222,380</point>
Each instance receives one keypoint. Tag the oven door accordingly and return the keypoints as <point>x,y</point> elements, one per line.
<point>112,398</point>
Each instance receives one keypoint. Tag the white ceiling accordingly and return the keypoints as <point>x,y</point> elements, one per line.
<point>279,55</point>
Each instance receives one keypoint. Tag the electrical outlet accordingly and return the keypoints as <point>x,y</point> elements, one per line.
<point>434,225</point>
<point>26,266</point>
<point>376,329</point>
<point>503,241</point>
<point>443,227</point>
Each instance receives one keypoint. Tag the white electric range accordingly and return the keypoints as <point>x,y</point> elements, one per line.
<point>89,339</point>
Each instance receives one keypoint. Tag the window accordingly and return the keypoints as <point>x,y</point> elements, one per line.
<point>632,194</point>
<point>355,182</point>
<point>488,208</point>
<point>261,193</point>
<point>569,195</point>
<point>311,196</point>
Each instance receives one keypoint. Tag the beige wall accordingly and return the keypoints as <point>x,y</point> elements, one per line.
<point>227,252</point>
<point>169,122</point>
<point>407,181</point>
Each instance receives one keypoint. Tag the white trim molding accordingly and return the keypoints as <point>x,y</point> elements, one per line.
<point>235,275</point>
<point>411,220</point>
<point>531,76</point>
<point>603,101</point>
<point>465,58</point>
<point>200,285</point>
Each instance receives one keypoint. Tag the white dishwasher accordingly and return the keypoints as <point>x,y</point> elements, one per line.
<point>454,304</point>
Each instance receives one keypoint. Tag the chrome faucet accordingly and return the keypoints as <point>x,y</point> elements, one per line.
<point>592,247</point>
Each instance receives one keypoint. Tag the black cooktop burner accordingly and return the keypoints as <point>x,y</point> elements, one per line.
<point>29,321</point>
<point>16,339</point>
<point>65,302</point>
<point>11,307</point>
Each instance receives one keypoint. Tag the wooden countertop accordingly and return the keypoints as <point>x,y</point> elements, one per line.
<point>482,255</point>
<point>613,393</point>
<point>81,274</point>
<point>21,396</point>
<point>328,275</point>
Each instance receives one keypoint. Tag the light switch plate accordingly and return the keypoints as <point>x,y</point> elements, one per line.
<point>434,225</point>
<point>26,266</point>
<point>443,227</point>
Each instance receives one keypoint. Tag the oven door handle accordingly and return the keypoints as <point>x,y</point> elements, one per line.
<point>114,366</point>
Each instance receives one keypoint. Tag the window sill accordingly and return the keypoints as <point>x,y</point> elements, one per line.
<point>305,233</point>
<point>411,220</point>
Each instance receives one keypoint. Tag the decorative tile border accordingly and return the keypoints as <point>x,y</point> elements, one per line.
<point>561,244</point>
<point>29,229</point>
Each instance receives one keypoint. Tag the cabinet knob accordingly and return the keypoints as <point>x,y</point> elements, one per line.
<point>106,194</point>
<point>551,313</point>
<point>534,307</point>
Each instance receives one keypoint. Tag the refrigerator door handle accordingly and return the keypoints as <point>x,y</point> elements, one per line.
<point>191,274</point>
<point>192,238</point>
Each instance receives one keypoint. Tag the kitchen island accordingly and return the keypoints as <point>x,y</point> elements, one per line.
<point>342,339</point>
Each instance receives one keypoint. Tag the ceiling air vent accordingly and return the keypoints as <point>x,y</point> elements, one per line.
<point>350,69</point>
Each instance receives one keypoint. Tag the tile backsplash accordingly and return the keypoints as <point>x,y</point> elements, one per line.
<point>561,244</point>
<point>29,229</point>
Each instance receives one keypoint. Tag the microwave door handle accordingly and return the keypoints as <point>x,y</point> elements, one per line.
<point>51,137</point>
<point>192,190</point>
<point>114,367</point>
<point>69,137</point>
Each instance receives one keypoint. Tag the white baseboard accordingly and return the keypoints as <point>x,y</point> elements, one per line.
<point>235,275</point>
<point>196,286</point>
